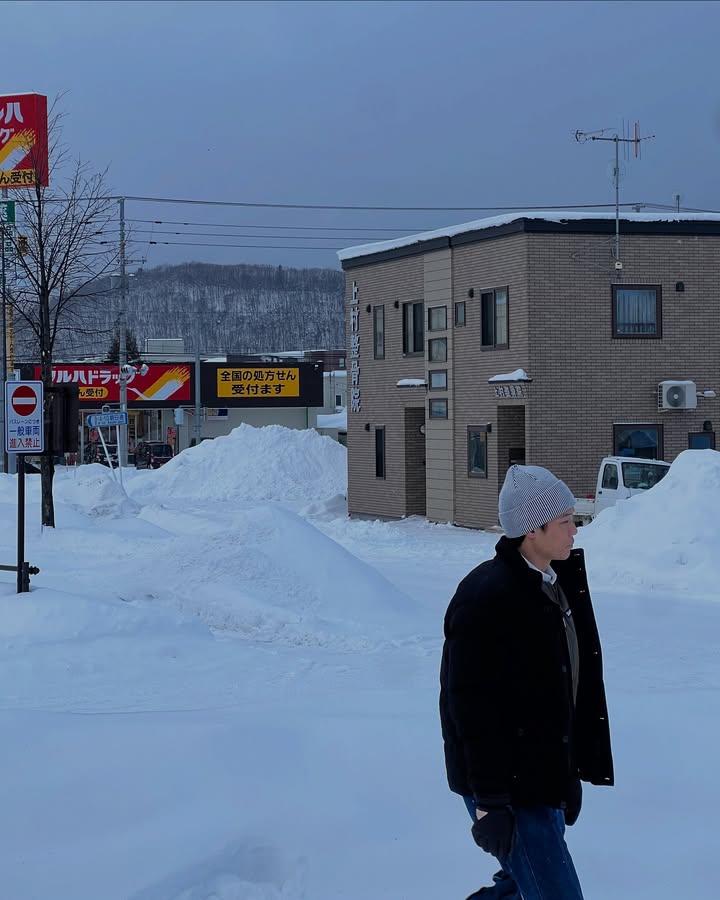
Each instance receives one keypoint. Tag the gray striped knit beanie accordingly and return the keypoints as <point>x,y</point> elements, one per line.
<point>531,497</point>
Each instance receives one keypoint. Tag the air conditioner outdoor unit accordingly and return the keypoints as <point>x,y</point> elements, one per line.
<point>677,395</point>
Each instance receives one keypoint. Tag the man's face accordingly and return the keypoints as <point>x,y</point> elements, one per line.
<point>555,540</point>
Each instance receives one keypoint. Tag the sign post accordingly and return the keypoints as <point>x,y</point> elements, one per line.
<point>24,433</point>
<point>108,420</point>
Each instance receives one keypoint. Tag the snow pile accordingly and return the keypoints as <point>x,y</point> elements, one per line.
<point>262,571</point>
<point>270,463</point>
<point>48,616</point>
<point>94,491</point>
<point>666,538</point>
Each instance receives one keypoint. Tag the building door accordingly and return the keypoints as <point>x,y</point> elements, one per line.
<point>415,504</point>
<point>510,439</point>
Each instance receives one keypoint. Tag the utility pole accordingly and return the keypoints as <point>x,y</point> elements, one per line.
<point>123,447</point>
<point>4,340</point>
<point>581,137</point>
<point>198,407</point>
<point>6,218</point>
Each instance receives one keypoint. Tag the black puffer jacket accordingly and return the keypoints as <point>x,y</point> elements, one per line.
<point>508,720</point>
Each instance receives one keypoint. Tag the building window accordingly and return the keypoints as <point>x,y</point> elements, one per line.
<point>338,399</point>
<point>342,362</point>
<point>413,327</point>
<point>477,451</point>
<point>610,479</point>
<point>379,332</point>
<point>438,409</point>
<point>494,318</point>
<point>460,314</point>
<point>637,311</point>
<point>437,318</point>
<point>437,350</point>
<point>379,452</point>
<point>644,441</point>
<point>438,380</point>
<point>701,440</point>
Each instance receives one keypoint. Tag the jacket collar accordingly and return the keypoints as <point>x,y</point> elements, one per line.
<point>570,569</point>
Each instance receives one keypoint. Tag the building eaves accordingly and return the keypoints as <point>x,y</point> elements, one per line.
<point>554,223</point>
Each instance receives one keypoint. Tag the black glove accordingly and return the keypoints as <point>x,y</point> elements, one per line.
<point>574,802</point>
<point>494,831</point>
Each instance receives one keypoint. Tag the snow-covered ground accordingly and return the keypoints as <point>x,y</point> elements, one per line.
<point>221,688</point>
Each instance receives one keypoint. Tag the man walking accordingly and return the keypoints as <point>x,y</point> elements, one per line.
<point>522,700</point>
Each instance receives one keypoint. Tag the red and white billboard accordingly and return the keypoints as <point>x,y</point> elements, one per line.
<point>23,141</point>
<point>162,385</point>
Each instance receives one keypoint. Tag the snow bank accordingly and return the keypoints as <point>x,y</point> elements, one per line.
<point>93,490</point>
<point>666,538</point>
<point>52,616</point>
<point>270,463</point>
<point>269,575</point>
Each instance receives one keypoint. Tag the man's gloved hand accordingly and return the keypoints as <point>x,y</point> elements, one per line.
<point>493,830</point>
<point>574,802</point>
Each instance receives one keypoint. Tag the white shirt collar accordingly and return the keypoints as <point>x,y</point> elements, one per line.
<point>549,575</point>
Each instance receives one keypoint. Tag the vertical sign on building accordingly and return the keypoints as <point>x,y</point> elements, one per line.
<point>23,140</point>
<point>355,350</point>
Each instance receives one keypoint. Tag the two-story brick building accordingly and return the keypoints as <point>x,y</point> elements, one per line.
<point>520,338</point>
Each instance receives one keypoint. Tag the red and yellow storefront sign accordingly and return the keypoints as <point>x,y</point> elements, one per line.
<point>98,384</point>
<point>23,140</point>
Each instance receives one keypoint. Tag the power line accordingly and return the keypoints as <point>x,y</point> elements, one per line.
<point>270,237</point>
<point>248,205</point>
<point>246,246</point>
<point>410,228</point>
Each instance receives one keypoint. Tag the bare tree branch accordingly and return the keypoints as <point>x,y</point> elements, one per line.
<point>61,268</point>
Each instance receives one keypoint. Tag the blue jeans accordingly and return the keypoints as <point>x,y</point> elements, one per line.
<point>539,866</point>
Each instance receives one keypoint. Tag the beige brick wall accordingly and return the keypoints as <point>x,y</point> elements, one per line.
<point>585,381</point>
<point>481,267</point>
<point>439,441</point>
<point>382,402</point>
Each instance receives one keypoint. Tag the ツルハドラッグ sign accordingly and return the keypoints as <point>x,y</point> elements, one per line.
<point>23,141</point>
<point>161,385</point>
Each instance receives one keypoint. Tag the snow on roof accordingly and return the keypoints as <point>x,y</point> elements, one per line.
<point>517,375</point>
<point>336,420</point>
<point>495,221</point>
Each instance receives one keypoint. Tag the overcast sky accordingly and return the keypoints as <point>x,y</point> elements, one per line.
<point>377,103</point>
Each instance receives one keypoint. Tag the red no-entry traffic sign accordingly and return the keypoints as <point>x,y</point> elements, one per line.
<point>24,400</point>
<point>24,431</point>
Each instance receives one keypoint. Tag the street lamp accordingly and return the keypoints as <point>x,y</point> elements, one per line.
<point>127,371</point>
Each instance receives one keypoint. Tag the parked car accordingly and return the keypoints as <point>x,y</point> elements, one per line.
<point>94,453</point>
<point>619,478</point>
<point>152,454</point>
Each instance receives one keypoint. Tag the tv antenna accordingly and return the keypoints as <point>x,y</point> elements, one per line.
<point>626,140</point>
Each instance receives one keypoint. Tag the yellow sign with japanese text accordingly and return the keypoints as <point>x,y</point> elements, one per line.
<point>268,381</point>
